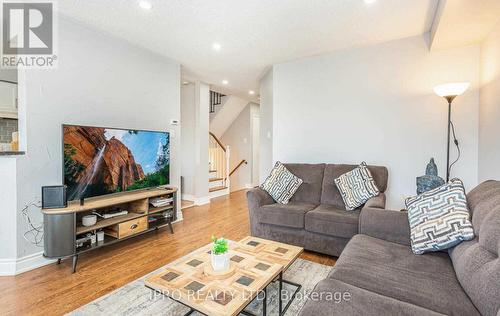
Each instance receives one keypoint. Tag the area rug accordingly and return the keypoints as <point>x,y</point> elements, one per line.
<point>136,299</point>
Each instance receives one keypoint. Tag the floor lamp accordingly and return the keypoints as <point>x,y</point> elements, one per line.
<point>450,91</point>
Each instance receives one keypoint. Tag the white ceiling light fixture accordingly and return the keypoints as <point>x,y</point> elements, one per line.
<point>370,1</point>
<point>251,92</point>
<point>146,5</point>
<point>216,46</point>
<point>225,82</point>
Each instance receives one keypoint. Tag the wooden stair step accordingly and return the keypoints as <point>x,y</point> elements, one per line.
<point>217,188</point>
<point>215,179</point>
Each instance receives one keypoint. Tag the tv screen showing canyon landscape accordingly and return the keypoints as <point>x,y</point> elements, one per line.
<point>100,161</point>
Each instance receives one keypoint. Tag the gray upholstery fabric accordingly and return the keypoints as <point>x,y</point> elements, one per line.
<point>392,270</point>
<point>256,198</point>
<point>361,302</point>
<point>476,262</point>
<point>330,194</point>
<point>330,245</point>
<point>384,277</point>
<point>290,215</point>
<point>288,235</point>
<point>384,224</point>
<point>312,177</point>
<point>328,228</point>
<point>377,201</point>
<point>330,220</point>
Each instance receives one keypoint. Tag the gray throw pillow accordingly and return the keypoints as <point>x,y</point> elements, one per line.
<point>281,184</point>
<point>356,187</point>
<point>439,219</point>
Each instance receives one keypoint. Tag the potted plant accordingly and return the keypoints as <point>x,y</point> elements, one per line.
<point>220,255</point>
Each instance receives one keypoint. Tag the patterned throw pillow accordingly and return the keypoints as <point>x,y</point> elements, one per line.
<point>281,184</point>
<point>356,187</point>
<point>439,219</point>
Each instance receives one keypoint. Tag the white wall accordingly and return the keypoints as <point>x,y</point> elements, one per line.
<point>224,117</point>
<point>239,136</point>
<point>202,103</point>
<point>489,118</point>
<point>266,125</point>
<point>376,104</point>
<point>8,222</point>
<point>100,81</point>
<point>188,125</point>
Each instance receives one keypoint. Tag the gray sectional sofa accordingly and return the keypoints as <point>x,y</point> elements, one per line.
<point>383,276</point>
<point>315,218</point>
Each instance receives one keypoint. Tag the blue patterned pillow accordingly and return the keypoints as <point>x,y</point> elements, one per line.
<point>439,219</point>
<point>281,184</point>
<point>356,187</point>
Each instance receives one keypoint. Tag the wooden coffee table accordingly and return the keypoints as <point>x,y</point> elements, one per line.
<point>255,263</point>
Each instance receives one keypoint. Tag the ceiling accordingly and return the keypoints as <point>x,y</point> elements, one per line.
<point>464,22</point>
<point>253,34</point>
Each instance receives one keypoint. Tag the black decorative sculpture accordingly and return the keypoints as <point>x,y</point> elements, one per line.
<point>431,180</point>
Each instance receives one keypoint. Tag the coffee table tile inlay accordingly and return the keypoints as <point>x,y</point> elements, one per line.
<point>257,262</point>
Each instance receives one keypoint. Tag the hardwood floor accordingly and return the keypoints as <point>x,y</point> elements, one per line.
<point>54,290</point>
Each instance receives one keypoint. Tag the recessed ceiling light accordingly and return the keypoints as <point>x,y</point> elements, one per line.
<point>225,82</point>
<point>251,92</point>
<point>145,5</point>
<point>216,46</point>
<point>370,1</point>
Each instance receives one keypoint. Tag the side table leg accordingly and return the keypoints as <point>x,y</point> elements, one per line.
<point>171,227</point>
<point>264,303</point>
<point>280,288</point>
<point>75,261</point>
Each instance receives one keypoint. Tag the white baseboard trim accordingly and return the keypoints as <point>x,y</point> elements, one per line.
<point>197,201</point>
<point>218,193</point>
<point>23,264</point>
<point>31,262</point>
<point>202,201</point>
<point>188,197</point>
<point>7,267</point>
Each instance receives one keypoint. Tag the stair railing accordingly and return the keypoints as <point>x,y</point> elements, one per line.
<point>218,158</point>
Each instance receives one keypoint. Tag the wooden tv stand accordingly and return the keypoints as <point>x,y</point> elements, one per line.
<point>63,226</point>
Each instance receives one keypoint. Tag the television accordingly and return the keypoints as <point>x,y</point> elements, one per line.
<point>101,160</point>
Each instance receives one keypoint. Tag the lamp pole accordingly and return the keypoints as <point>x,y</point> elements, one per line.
<point>450,91</point>
<point>450,100</point>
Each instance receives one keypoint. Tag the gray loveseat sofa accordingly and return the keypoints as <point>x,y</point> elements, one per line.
<point>383,276</point>
<point>315,218</point>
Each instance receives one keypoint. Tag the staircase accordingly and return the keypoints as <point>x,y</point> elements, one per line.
<point>218,162</point>
<point>223,111</point>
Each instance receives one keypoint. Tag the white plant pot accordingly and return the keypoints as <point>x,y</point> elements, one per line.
<point>220,262</point>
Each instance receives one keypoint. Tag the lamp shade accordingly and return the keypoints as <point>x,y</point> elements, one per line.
<point>451,89</point>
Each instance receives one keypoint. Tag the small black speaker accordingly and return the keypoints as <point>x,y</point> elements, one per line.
<point>54,196</point>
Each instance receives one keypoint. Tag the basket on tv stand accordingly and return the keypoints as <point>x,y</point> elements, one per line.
<point>63,225</point>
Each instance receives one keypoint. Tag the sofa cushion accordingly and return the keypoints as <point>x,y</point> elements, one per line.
<point>330,220</point>
<point>439,219</point>
<point>392,270</point>
<point>335,298</point>
<point>312,179</point>
<point>289,215</point>
<point>476,262</point>
<point>357,186</point>
<point>281,184</point>
<point>330,194</point>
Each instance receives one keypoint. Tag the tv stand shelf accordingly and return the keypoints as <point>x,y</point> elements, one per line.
<point>62,226</point>
<point>107,222</point>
